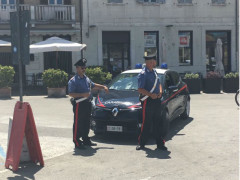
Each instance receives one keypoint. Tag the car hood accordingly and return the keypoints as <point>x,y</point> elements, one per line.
<point>122,99</point>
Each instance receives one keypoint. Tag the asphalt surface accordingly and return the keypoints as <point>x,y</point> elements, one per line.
<point>205,146</point>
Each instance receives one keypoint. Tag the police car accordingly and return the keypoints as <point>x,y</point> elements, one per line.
<point>120,110</point>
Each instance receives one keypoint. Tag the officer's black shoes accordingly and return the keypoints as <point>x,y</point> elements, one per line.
<point>139,147</point>
<point>80,146</point>
<point>89,143</point>
<point>162,147</point>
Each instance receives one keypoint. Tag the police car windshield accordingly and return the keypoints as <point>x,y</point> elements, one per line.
<point>126,81</point>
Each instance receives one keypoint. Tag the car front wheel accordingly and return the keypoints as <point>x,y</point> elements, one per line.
<point>186,112</point>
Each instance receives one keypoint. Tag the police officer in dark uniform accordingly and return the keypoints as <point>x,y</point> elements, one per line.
<point>150,91</point>
<point>79,88</point>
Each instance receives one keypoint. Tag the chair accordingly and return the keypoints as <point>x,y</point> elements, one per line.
<point>29,79</point>
<point>38,79</point>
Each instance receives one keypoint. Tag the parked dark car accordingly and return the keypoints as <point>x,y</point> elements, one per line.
<point>120,110</point>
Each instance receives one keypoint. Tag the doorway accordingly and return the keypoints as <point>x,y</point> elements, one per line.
<point>211,40</point>
<point>116,52</point>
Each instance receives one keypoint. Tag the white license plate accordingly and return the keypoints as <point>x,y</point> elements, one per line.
<point>115,128</point>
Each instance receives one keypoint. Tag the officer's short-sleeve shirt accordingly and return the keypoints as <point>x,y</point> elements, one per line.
<point>80,85</point>
<point>146,80</point>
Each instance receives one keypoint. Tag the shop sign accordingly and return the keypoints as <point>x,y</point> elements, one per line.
<point>150,40</point>
<point>184,40</point>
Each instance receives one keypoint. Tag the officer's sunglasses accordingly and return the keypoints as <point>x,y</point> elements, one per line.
<point>83,67</point>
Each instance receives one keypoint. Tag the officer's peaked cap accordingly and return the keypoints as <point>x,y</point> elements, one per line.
<point>150,55</point>
<point>81,62</point>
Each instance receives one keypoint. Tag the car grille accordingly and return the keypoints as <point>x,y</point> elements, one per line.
<point>126,115</point>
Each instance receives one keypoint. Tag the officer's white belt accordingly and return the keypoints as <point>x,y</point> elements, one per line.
<point>80,100</point>
<point>154,86</point>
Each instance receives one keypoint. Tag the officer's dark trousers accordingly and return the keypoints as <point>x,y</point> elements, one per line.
<point>81,124</point>
<point>151,116</point>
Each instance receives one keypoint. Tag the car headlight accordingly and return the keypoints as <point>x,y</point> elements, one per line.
<point>135,106</point>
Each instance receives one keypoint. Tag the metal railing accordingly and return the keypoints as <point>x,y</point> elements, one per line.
<point>53,13</point>
<point>41,12</point>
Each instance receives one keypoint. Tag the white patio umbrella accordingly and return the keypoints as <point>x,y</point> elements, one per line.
<point>218,57</point>
<point>5,46</point>
<point>56,44</point>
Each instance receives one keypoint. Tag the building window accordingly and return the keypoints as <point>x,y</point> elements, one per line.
<point>151,43</point>
<point>115,1</point>
<point>8,4</point>
<point>116,51</point>
<point>152,1</point>
<point>219,2</point>
<point>185,48</point>
<point>55,2</point>
<point>184,1</point>
<point>211,44</point>
<point>149,0</point>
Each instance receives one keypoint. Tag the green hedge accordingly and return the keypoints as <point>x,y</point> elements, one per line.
<point>55,78</point>
<point>232,75</point>
<point>191,76</point>
<point>104,69</point>
<point>6,76</point>
<point>97,75</point>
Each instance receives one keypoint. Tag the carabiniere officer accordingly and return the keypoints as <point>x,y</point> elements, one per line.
<point>79,88</point>
<point>150,90</point>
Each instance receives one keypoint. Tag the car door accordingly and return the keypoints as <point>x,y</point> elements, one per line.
<point>179,95</point>
<point>175,95</point>
<point>169,91</point>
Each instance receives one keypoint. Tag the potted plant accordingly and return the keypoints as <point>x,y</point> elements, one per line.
<point>6,80</point>
<point>231,82</point>
<point>97,75</point>
<point>212,82</point>
<point>193,82</point>
<point>56,81</point>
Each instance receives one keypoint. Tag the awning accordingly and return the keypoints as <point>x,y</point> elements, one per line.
<point>5,46</point>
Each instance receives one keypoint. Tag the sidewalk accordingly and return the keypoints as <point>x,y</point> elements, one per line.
<point>205,146</point>
<point>53,118</point>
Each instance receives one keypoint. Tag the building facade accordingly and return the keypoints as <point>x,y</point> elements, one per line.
<point>119,32</point>
<point>184,33</point>
<point>48,18</point>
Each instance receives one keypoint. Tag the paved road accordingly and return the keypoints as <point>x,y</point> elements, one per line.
<point>205,146</point>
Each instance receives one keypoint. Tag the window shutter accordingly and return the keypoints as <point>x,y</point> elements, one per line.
<point>161,1</point>
<point>44,2</point>
<point>115,1</point>
<point>67,2</point>
<point>185,1</point>
<point>21,2</point>
<point>218,1</point>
